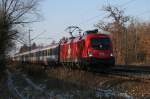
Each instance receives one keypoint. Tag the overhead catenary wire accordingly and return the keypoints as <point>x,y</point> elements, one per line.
<point>126,3</point>
<point>90,19</point>
<point>38,36</point>
<point>96,16</point>
<point>140,14</point>
<point>143,13</point>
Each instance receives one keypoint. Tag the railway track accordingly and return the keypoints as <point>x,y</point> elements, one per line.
<point>133,68</point>
<point>132,71</point>
<point>142,73</point>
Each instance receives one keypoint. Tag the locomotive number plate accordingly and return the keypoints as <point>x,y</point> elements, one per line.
<point>102,54</point>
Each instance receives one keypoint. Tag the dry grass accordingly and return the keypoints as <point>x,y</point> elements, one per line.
<point>71,78</point>
<point>134,87</point>
<point>77,76</point>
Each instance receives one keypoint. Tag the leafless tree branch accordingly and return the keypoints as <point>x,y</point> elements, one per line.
<point>14,13</point>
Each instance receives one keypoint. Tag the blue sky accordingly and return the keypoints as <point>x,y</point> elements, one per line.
<point>58,14</point>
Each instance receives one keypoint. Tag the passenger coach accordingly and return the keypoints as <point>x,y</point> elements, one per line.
<point>48,55</point>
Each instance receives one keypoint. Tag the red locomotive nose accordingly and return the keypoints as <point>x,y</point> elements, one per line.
<point>98,49</point>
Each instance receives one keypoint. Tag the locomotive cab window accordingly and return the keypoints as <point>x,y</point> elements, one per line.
<point>100,43</point>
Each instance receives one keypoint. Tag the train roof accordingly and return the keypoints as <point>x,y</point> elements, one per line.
<point>88,34</point>
<point>50,46</point>
<point>38,49</point>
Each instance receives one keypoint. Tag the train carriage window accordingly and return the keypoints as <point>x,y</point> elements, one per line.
<point>50,51</point>
<point>35,54</point>
<point>55,51</point>
<point>42,53</point>
<point>45,52</point>
<point>39,53</point>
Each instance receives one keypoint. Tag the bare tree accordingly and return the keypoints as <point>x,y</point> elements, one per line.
<point>14,13</point>
<point>118,28</point>
<point>103,25</point>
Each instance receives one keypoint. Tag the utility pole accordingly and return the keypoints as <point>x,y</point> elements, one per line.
<point>30,39</point>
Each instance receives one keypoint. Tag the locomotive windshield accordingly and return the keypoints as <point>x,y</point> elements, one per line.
<point>101,43</point>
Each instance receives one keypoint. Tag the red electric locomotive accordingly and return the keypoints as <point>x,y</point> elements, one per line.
<point>91,48</point>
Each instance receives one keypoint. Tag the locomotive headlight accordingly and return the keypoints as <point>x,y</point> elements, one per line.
<point>111,54</point>
<point>90,54</point>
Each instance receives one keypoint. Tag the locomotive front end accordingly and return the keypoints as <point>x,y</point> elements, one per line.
<point>99,50</point>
